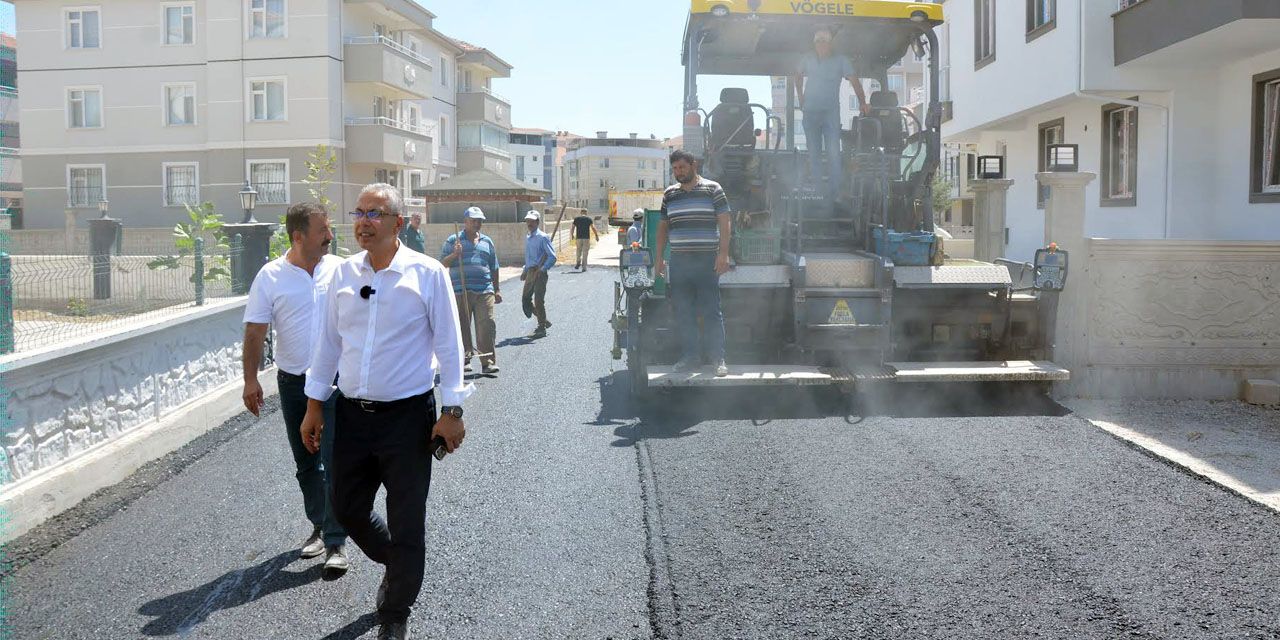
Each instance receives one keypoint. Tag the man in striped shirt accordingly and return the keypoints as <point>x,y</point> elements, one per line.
<point>695,220</point>
<point>472,258</point>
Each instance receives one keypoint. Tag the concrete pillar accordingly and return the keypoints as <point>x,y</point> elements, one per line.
<point>1064,225</point>
<point>989,206</point>
<point>103,234</point>
<point>255,245</point>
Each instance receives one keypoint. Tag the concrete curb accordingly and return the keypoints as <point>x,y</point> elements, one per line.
<point>1187,463</point>
<point>37,498</point>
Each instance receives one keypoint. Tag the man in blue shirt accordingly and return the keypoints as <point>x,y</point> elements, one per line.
<point>472,259</point>
<point>539,257</point>
<point>635,232</point>
<point>820,104</point>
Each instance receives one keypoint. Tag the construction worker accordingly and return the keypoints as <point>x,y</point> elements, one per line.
<point>583,228</point>
<point>472,260</point>
<point>818,85</point>
<point>411,236</point>
<point>635,232</point>
<point>539,257</point>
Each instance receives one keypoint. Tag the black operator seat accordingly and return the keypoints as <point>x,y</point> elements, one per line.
<point>884,107</point>
<point>732,123</point>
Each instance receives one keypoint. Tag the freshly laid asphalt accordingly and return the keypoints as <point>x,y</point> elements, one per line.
<point>572,513</point>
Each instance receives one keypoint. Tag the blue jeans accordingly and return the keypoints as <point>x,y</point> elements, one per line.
<point>695,293</point>
<point>822,132</point>
<point>312,468</point>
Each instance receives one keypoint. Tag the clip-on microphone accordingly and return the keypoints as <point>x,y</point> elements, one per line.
<point>367,291</point>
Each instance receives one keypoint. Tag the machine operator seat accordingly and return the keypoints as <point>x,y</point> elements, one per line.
<point>732,123</point>
<point>884,107</point>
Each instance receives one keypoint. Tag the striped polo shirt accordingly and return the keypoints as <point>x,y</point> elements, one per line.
<point>693,216</point>
<point>479,258</point>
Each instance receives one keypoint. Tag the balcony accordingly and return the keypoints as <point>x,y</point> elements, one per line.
<point>1181,33</point>
<point>483,105</point>
<point>386,141</point>
<point>383,61</point>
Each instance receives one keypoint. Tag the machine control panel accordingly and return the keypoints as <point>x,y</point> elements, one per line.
<point>1050,268</point>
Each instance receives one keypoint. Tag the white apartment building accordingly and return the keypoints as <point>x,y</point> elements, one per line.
<point>484,116</point>
<point>533,159</point>
<point>595,166</point>
<point>153,105</point>
<point>1175,104</point>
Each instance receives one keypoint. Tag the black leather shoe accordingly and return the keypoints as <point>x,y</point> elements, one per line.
<point>382,593</point>
<point>393,631</point>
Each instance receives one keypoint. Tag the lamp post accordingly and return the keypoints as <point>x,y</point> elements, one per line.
<point>991,167</point>
<point>1063,158</point>
<point>104,233</point>
<point>103,206</point>
<point>248,200</point>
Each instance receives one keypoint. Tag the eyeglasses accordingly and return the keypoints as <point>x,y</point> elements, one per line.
<point>371,215</point>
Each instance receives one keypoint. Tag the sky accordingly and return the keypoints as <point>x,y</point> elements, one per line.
<point>588,65</point>
<point>579,65</point>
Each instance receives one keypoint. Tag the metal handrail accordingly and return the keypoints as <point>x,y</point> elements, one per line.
<point>486,91</point>
<point>369,121</point>
<point>391,44</point>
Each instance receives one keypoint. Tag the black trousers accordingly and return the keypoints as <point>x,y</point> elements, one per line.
<point>388,448</point>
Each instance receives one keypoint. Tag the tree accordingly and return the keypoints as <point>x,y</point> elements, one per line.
<point>203,220</point>
<point>322,163</point>
<point>942,199</point>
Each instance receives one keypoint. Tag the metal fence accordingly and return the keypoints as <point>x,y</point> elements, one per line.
<point>47,300</point>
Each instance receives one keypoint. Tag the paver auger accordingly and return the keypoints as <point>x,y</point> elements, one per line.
<point>833,288</point>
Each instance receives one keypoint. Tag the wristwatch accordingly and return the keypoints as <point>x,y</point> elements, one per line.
<point>454,411</point>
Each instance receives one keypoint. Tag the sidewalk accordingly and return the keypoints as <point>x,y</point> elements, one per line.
<point>1232,444</point>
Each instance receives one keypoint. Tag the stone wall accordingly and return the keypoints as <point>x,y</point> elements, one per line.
<point>64,402</point>
<point>1176,318</point>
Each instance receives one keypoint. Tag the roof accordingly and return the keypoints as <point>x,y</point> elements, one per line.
<point>480,55</point>
<point>477,182</point>
<point>541,132</point>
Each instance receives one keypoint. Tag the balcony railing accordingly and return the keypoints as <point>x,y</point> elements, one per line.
<point>485,148</point>
<point>488,92</point>
<point>422,130</point>
<point>393,45</point>
<point>414,202</point>
<point>1125,4</point>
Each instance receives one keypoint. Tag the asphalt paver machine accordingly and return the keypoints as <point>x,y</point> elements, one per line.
<point>844,286</point>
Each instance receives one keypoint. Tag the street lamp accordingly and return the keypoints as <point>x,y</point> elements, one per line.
<point>248,200</point>
<point>103,205</point>
<point>1064,158</point>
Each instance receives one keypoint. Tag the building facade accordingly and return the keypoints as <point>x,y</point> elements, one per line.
<point>596,166</point>
<point>10,135</point>
<point>243,90</point>
<point>533,159</point>
<point>1175,105</point>
<point>484,116</point>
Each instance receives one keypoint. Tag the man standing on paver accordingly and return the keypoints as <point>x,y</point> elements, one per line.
<point>539,257</point>
<point>583,228</point>
<point>288,293</point>
<point>411,235</point>
<point>696,221</point>
<point>818,87</point>
<point>389,326</point>
<point>472,259</point>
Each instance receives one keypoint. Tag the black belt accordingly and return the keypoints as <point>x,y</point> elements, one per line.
<point>286,374</point>
<point>376,406</point>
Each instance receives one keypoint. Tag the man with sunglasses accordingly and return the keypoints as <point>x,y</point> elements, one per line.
<point>389,319</point>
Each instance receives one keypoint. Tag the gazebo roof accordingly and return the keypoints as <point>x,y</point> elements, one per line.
<point>480,182</point>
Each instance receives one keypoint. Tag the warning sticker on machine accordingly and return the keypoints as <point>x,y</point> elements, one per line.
<point>842,314</point>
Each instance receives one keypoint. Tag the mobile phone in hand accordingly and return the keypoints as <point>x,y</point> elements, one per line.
<point>438,448</point>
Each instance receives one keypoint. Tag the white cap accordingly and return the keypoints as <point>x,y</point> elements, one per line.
<point>474,213</point>
<point>638,213</point>
<point>532,215</point>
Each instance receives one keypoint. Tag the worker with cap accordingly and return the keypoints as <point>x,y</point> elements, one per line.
<point>410,236</point>
<point>539,257</point>
<point>472,259</point>
<point>818,82</point>
<point>635,233</point>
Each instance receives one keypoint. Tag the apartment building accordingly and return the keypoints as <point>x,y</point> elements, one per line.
<point>596,166</point>
<point>10,135</point>
<point>484,116</point>
<point>533,159</point>
<point>1175,105</point>
<point>155,105</point>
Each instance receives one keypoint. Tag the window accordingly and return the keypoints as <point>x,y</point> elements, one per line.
<point>601,183</point>
<point>179,105</point>
<point>84,29</point>
<point>604,163</point>
<point>604,203</point>
<point>519,167</point>
<point>1119,156</point>
<point>179,23</point>
<point>444,132</point>
<point>266,18</point>
<point>267,100</point>
<point>535,181</point>
<point>1265,164</point>
<point>444,71</point>
<point>270,178</point>
<point>181,184</point>
<point>1050,133</point>
<point>641,163</point>
<point>86,185</point>
<point>1041,16</point>
<point>640,183</point>
<point>984,32</point>
<point>84,108</point>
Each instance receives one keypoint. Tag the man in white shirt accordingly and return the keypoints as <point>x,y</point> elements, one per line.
<point>288,293</point>
<point>390,316</point>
